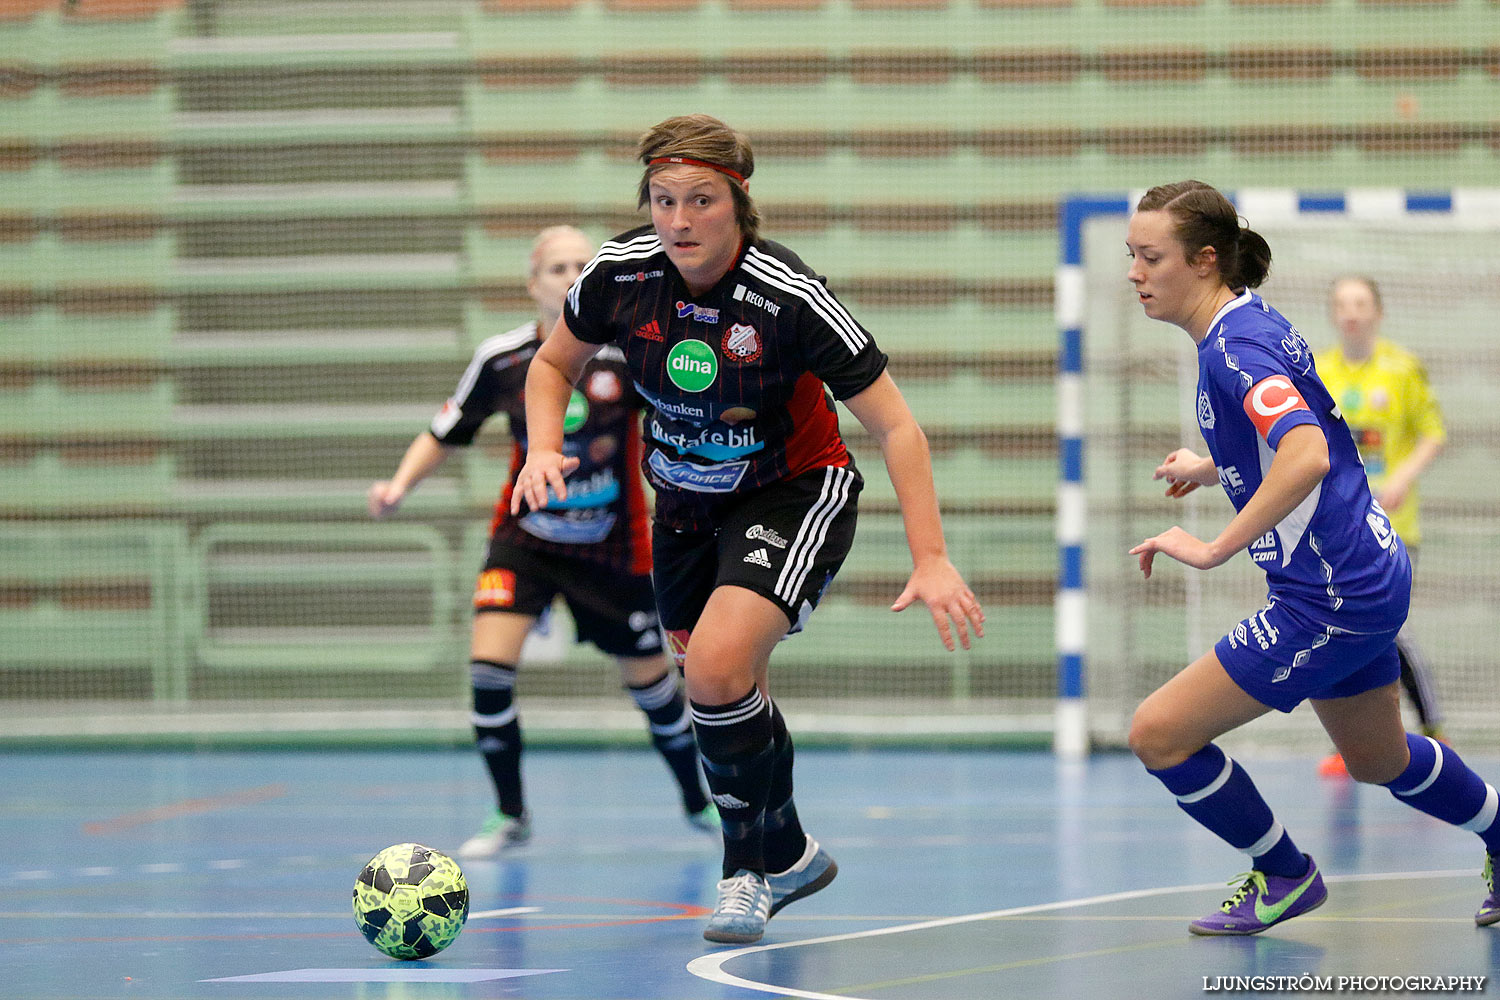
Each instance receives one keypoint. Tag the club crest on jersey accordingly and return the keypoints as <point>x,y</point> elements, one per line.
<point>742,344</point>
<point>703,314</point>
<point>1205,411</point>
<point>692,366</point>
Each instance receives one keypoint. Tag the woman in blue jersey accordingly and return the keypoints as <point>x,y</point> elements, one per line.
<point>740,349</point>
<point>1339,578</point>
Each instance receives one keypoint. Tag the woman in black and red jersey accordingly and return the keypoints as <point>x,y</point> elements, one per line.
<point>593,550</point>
<point>739,349</point>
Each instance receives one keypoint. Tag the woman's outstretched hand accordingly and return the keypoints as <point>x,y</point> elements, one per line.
<point>950,601</point>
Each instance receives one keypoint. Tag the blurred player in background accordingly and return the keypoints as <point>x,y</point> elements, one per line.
<point>739,348</point>
<point>1338,577</point>
<point>1398,426</point>
<point>594,550</point>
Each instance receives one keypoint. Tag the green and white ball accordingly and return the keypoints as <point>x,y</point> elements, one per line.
<point>411,901</point>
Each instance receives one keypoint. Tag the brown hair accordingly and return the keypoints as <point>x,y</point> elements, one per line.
<point>1361,280</point>
<point>1205,218</point>
<point>710,142</point>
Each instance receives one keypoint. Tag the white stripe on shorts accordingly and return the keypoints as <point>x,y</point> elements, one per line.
<point>813,532</point>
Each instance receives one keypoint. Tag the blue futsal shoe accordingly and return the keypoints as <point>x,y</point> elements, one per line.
<point>814,870</point>
<point>1263,901</point>
<point>744,907</point>
<point>1489,910</point>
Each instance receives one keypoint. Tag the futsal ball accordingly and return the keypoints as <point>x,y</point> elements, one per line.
<point>411,901</point>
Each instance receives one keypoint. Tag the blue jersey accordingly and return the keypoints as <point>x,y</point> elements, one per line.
<point>1335,556</point>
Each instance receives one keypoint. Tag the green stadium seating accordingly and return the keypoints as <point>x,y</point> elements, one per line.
<point>98,599</point>
<point>222,203</point>
<point>257,588</point>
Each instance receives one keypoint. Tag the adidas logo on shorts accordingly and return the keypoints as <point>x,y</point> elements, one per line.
<point>759,558</point>
<point>726,801</point>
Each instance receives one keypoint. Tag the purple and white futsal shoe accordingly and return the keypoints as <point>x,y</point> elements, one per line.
<point>1263,901</point>
<point>1489,910</point>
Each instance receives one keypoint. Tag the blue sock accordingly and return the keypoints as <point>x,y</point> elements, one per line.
<point>1216,791</point>
<point>1440,784</point>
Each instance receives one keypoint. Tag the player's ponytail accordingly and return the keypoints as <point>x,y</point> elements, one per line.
<point>1253,260</point>
<point>1204,218</point>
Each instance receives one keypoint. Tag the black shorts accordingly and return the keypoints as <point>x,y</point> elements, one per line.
<point>614,610</point>
<point>785,542</point>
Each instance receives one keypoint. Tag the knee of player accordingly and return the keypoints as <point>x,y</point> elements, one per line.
<point>716,667</point>
<point>1376,768</point>
<point>1154,741</point>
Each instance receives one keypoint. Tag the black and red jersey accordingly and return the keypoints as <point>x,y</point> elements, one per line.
<point>738,378</point>
<point>604,518</point>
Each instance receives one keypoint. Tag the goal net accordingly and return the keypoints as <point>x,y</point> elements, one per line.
<point>1433,256</point>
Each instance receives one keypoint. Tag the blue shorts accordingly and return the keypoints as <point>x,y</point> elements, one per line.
<point>1281,657</point>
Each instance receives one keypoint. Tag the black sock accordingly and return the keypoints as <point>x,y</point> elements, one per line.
<point>738,745</point>
<point>785,840</point>
<point>665,707</point>
<point>497,730</point>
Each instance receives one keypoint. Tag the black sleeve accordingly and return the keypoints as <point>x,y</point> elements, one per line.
<point>839,351</point>
<point>490,381</point>
<point>585,307</point>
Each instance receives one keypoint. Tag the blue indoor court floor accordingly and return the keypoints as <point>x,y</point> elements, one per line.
<point>964,875</point>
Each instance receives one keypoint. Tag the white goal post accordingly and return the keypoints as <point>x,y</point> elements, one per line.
<point>1125,390</point>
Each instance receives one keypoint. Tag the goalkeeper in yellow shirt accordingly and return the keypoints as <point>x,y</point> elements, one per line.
<point>1383,392</point>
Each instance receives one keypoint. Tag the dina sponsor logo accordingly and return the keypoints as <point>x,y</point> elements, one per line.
<point>692,366</point>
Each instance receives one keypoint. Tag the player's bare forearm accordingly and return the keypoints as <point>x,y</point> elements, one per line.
<point>934,580</point>
<point>909,462</point>
<point>423,457</point>
<point>550,378</point>
<point>557,367</point>
<point>1185,471</point>
<point>547,392</point>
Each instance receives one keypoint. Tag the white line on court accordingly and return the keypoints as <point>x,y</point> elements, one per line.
<point>513,911</point>
<point>710,967</point>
